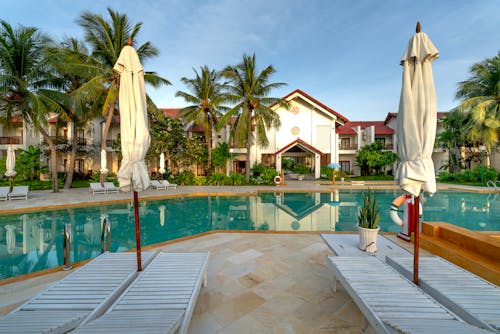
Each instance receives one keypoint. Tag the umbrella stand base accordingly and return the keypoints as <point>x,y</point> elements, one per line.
<point>404,236</point>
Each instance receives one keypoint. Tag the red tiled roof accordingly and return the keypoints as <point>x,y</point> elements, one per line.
<point>440,115</point>
<point>300,142</point>
<point>171,112</point>
<point>380,128</point>
<point>324,106</point>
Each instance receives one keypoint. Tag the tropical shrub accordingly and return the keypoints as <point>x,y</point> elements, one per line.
<point>237,179</point>
<point>301,169</point>
<point>184,178</point>
<point>220,179</point>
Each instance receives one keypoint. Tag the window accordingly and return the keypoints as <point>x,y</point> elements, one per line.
<point>345,166</point>
<point>382,140</point>
<point>345,143</point>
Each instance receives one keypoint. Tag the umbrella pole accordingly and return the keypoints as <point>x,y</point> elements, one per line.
<point>416,221</point>
<point>137,231</point>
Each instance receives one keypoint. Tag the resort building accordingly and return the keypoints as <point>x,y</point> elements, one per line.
<point>311,133</point>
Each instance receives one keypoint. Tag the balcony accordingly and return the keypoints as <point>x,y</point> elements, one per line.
<point>348,147</point>
<point>15,140</point>
<point>65,140</point>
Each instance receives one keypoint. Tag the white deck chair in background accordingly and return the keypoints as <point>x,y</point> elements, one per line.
<point>469,296</point>
<point>83,295</point>
<point>158,185</point>
<point>161,299</point>
<point>19,192</point>
<point>390,302</point>
<point>4,191</point>
<point>110,187</point>
<point>170,185</point>
<point>97,188</point>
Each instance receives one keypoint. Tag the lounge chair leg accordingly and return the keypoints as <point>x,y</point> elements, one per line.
<point>334,284</point>
<point>205,279</point>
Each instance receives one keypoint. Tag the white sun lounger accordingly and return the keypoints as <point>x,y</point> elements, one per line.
<point>162,185</point>
<point>161,299</point>
<point>19,192</point>
<point>390,302</point>
<point>110,187</point>
<point>4,191</point>
<point>97,188</point>
<point>84,294</point>
<point>158,185</point>
<point>470,297</point>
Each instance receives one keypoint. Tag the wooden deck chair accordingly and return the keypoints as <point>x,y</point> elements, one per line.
<point>472,298</point>
<point>161,300</point>
<point>390,302</point>
<point>82,295</point>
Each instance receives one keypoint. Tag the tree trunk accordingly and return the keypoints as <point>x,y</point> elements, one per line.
<point>107,126</point>
<point>209,150</point>
<point>53,159</point>
<point>72,157</point>
<point>248,146</point>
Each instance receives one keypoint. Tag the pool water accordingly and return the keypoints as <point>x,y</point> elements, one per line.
<point>31,242</point>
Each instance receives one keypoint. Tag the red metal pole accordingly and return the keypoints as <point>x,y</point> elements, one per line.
<point>416,220</point>
<point>137,231</point>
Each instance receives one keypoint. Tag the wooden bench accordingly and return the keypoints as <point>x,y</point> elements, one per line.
<point>477,252</point>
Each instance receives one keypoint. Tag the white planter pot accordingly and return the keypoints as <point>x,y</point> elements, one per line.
<point>368,239</point>
<point>300,177</point>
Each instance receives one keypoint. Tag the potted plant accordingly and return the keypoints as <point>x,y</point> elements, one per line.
<point>300,169</point>
<point>368,219</point>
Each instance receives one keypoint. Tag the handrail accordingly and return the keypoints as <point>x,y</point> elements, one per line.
<point>492,185</point>
<point>106,229</point>
<point>67,247</point>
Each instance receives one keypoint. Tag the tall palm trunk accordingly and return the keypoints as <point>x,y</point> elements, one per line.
<point>209,149</point>
<point>107,125</point>
<point>53,159</point>
<point>72,157</point>
<point>248,146</point>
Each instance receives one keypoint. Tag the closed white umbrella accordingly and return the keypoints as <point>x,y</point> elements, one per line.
<point>10,164</point>
<point>416,129</point>
<point>10,238</point>
<point>162,164</point>
<point>134,132</point>
<point>104,163</point>
<point>162,215</point>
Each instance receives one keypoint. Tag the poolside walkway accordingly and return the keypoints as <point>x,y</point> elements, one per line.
<point>81,196</point>
<point>257,283</point>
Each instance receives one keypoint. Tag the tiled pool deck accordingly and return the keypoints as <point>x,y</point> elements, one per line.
<point>257,283</point>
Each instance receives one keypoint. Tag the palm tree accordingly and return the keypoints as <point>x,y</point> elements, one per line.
<point>205,97</point>
<point>456,126</point>
<point>107,38</point>
<point>70,61</point>
<point>480,96</point>
<point>24,71</point>
<point>249,90</point>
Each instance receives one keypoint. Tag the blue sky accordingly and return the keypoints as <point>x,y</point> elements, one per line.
<point>344,53</point>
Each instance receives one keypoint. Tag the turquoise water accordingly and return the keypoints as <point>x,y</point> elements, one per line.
<point>34,241</point>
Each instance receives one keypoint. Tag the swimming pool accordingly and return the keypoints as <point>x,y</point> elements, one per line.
<point>34,241</point>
